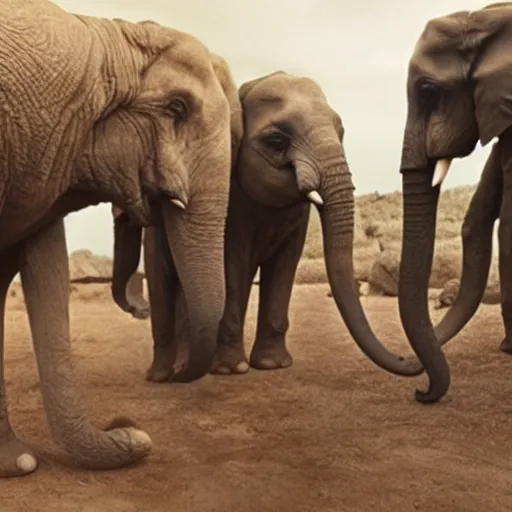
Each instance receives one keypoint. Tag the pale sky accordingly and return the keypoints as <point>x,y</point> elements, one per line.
<point>357,51</point>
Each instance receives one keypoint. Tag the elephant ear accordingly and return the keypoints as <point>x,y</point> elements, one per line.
<point>224,76</point>
<point>338,125</point>
<point>247,87</point>
<point>490,33</point>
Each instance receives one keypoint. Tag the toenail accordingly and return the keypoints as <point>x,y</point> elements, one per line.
<point>26,463</point>
<point>242,367</point>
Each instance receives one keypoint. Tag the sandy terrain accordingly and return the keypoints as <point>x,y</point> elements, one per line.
<point>332,433</point>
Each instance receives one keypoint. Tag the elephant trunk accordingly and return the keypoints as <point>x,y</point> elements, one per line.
<point>476,263</point>
<point>337,218</point>
<point>420,208</point>
<point>127,249</point>
<point>477,233</point>
<point>196,241</point>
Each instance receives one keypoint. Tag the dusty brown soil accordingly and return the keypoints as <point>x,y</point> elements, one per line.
<point>332,433</point>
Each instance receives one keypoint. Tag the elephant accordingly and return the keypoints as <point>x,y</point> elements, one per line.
<point>74,90</point>
<point>291,155</point>
<point>457,95</point>
<point>165,284</point>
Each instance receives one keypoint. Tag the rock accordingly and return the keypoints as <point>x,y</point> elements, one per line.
<point>450,291</point>
<point>86,267</point>
<point>385,270</point>
<point>383,278</point>
<point>448,294</point>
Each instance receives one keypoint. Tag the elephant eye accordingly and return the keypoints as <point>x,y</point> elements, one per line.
<point>430,95</point>
<point>178,109</point>
<point>276,141</point>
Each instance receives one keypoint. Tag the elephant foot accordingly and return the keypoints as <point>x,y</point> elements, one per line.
<point>162,369</point>
<point>506,346</point>
<point>15,458</point>
<point>270,356</point>
<point>229,359</point>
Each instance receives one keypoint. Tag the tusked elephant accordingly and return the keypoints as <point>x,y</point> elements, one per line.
<point>165,281</point>
<point>96,110</point>
<point>291,154</point>
<point>457,93</point>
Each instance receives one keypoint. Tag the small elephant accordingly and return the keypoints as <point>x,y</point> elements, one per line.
<point>97,110</point>
<point>458,93</point>
<point>291,154</point>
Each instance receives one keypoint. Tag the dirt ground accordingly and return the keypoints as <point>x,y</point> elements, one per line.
<point>332,433</point>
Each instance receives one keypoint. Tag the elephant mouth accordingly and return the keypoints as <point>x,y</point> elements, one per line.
<point>151,201</point>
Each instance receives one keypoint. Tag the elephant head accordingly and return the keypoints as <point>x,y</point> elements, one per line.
<point>195,239</point>
<point>458,93</point>
<point>292,151</point>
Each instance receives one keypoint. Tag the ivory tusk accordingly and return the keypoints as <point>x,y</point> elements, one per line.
<point>441,170</point>
<point>315,197</point>
<point>178,203</point>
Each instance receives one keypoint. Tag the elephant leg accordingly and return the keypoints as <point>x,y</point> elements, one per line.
<point>44,269</point>
<point>505,261</point>
<point>15,458</point>
<point>277,275</point>
<point>162,300</point>
<point>230,353</point>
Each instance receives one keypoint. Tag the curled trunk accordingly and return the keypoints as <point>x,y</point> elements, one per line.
<point>337,217</point>
<point>420,208</point>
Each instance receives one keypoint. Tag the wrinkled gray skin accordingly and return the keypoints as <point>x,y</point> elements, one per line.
<point>95,110</point>
<point>165,282</point>
<point>292,146</point>
<point>458,90</point>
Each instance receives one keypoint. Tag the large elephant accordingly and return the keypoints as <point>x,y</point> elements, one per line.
<point>96,110</point>
<point>291,153</point>
<point>458,93</point>
<point>165,280</point>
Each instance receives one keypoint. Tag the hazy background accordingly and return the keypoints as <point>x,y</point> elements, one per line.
<point>356,50</point>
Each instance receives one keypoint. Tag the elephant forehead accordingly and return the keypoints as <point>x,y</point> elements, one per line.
<point>191,79</point>
<point>282,86</point>
<point>437,53</point>
<point>294,113</point>
<point>190,56</point>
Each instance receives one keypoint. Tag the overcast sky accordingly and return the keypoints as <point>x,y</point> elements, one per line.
<point>356,50</point>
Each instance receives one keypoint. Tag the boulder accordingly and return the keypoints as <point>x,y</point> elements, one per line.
<point>450,290</point>
<point>86,267</point>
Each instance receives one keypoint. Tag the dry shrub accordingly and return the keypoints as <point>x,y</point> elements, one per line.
<point>90,292</point>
